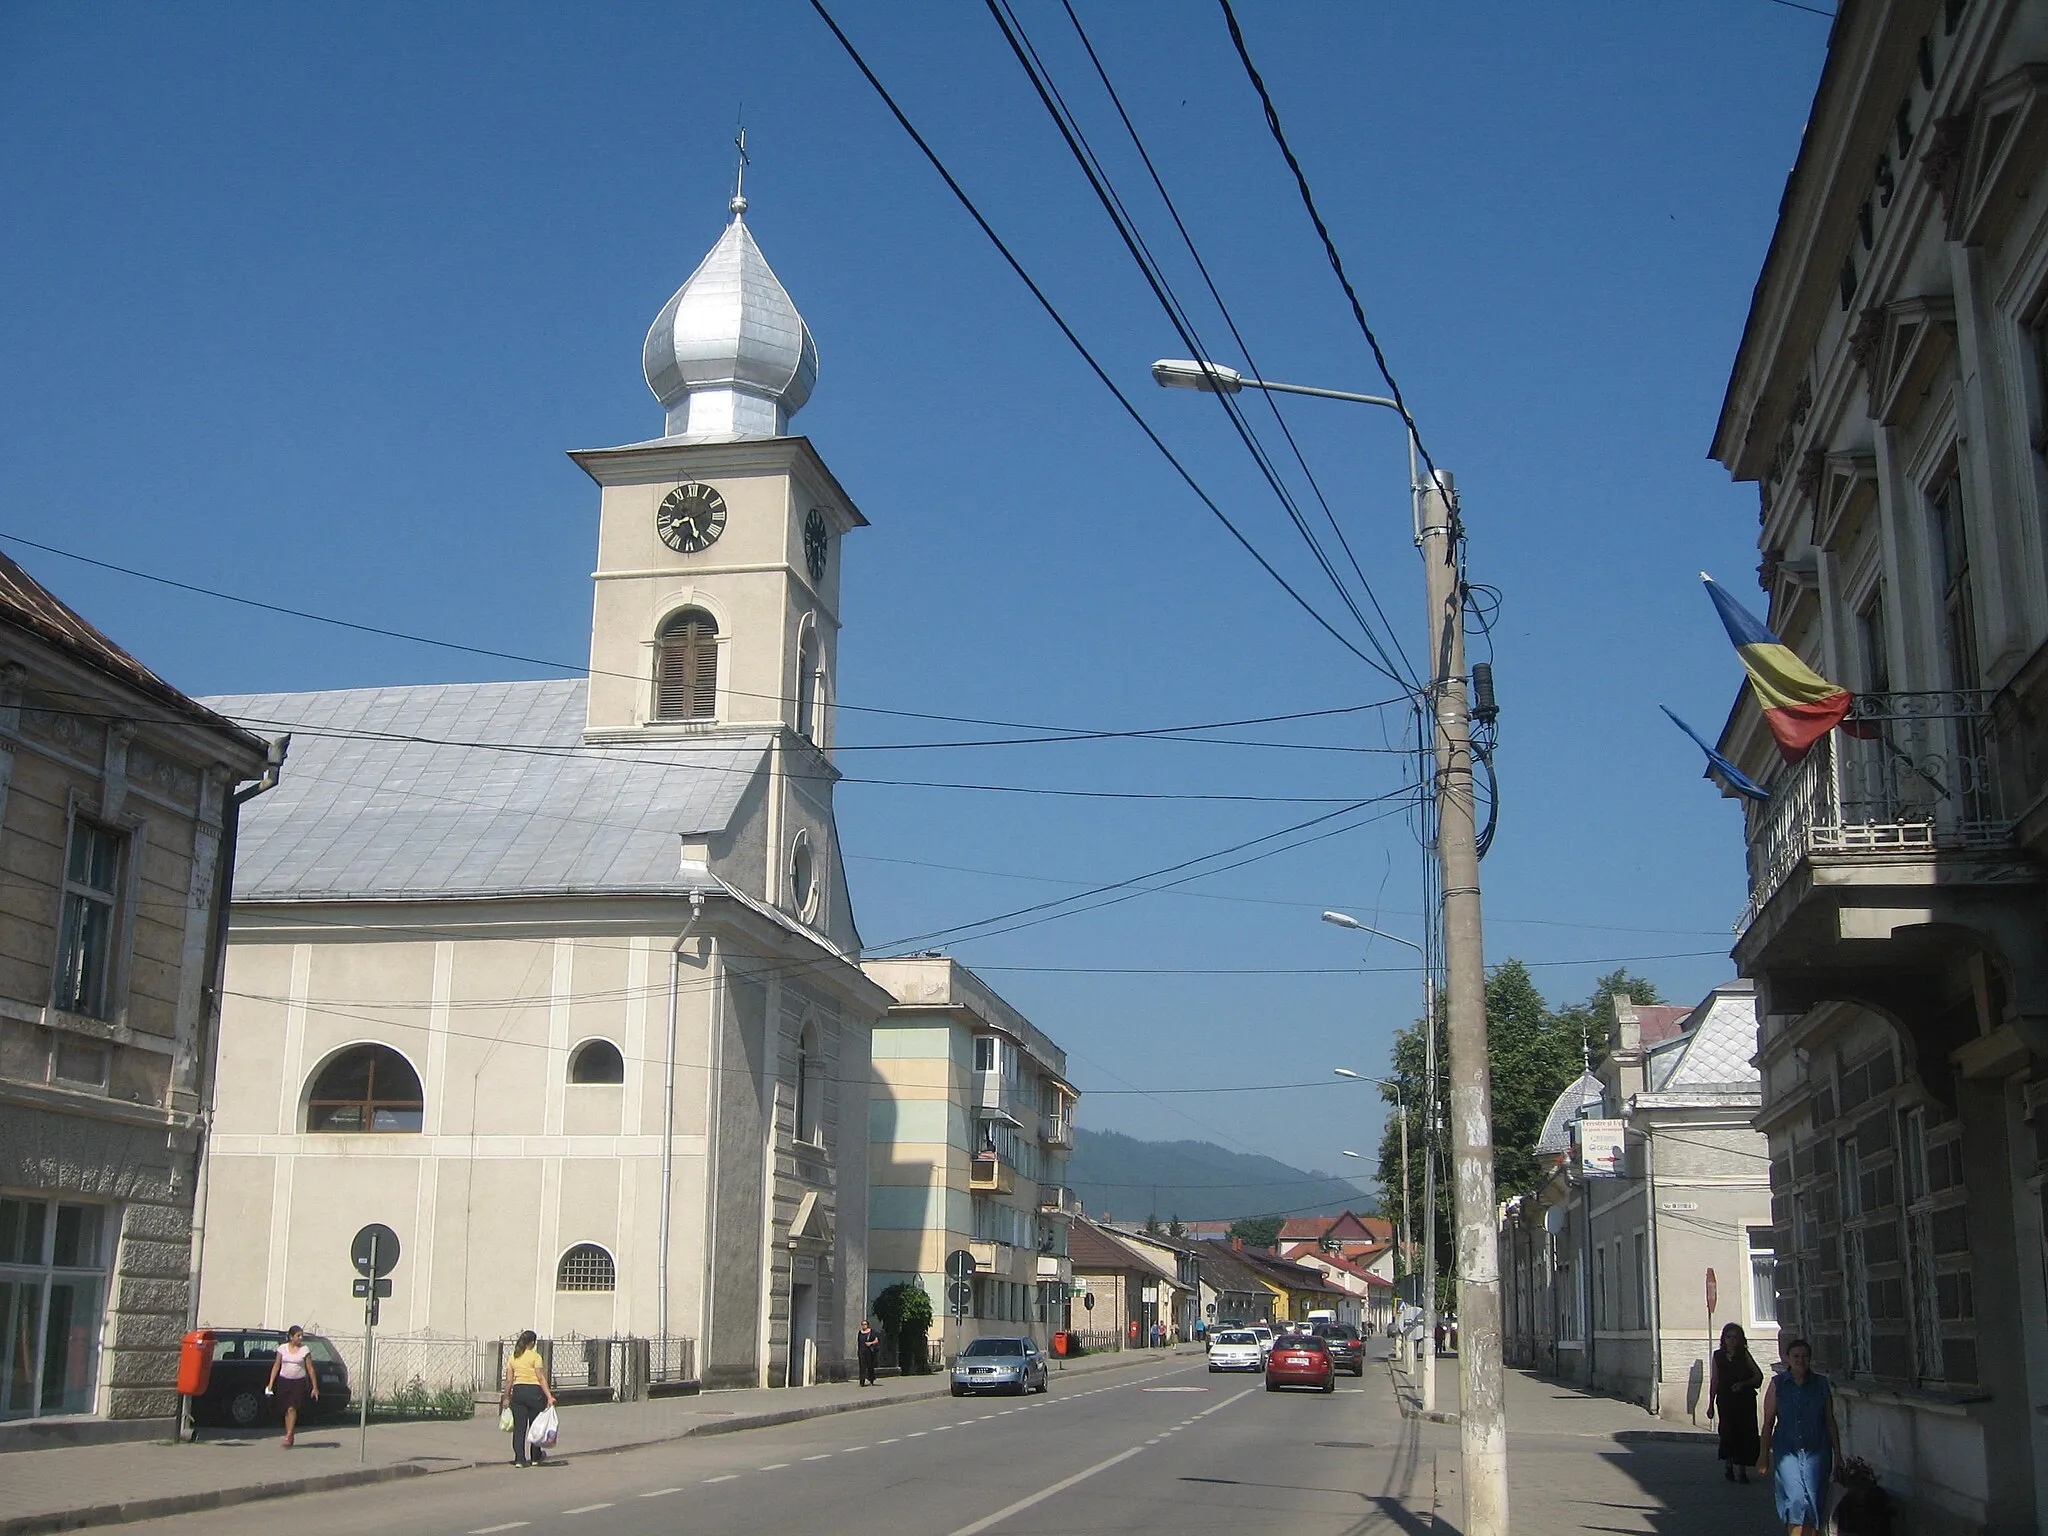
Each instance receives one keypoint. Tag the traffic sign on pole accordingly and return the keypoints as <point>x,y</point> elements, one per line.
<point>375,1250</point>
<point>960,1265</point>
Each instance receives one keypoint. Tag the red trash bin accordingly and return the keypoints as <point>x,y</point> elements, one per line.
<point>195,1362</point>
<point>1060,1344</point>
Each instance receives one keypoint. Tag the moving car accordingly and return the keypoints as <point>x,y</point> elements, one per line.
<point>241,1365</point>
<point>999,1365</point>
<point>1347,1349</point>
<point>1236,1349</point>
<point>1300,1360</point>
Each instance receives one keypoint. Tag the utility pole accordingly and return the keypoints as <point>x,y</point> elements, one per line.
<point>1482,1417</point>
<point>1429,1142</point>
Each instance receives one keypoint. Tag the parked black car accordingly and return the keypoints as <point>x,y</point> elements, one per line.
<point>241,1365</point>
<point>1347,1349</point>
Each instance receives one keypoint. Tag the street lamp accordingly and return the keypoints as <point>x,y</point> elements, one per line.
<point>1400,1108</point>
<point>1482,1420</point>
<point>1428,1301</point>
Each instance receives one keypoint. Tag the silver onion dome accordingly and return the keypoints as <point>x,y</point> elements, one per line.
<point>729,356</point>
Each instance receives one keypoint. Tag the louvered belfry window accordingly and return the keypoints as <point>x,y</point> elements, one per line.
<point>686,674</point>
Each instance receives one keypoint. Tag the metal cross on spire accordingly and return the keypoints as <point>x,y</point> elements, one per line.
<point>739,175</point>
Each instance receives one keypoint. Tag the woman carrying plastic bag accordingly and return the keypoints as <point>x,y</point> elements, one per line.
<point>527,1400</point>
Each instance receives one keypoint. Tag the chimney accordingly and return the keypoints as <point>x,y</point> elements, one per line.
<point>1237,1245</point>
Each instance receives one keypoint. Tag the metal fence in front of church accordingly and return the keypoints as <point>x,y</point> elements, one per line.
<point>434,1376</point>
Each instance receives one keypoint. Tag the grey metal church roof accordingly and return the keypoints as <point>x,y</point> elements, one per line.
<point>407,792</point>
<point>1557,1136</point>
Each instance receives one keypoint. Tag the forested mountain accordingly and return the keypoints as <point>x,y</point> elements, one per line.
<point>1128,1179</point>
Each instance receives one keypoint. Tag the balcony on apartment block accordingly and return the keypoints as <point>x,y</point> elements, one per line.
<point>1058,1200</point>
<point>1900,805</point>
<point>1057,1129</point>
<point>989,1174</point>
<point>996,1097</point>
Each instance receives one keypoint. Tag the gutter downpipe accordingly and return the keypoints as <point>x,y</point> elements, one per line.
<point>668,1117</point>
<point>217,960</point>
<point>1653,1280</point>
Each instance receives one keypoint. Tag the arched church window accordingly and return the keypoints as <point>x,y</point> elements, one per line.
<point>686,668</point>
<point>586,1267</point>
<point>597,1061</point>
<point>807,687</point>
<point>366,1088</point>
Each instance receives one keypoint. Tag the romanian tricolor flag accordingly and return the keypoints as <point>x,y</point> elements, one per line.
<point>1800,706</point>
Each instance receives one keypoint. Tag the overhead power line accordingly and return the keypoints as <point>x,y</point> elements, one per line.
<point>1060,733</point>
<point>1308,201</point>
<point>1073,339</point>
<point>1103,186</point>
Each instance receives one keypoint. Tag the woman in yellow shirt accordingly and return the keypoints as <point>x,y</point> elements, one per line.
<point>526,1393</point>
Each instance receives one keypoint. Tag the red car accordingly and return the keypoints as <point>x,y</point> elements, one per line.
<point>1300,1360</point>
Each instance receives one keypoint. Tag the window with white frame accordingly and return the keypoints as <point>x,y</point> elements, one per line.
<point>89,924</point>
<point>1763,1275</point>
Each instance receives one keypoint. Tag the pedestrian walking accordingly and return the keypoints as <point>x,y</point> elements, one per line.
<point>868,1345</point>
<point>292,1379</point>
<point>1733,1380</point>
<point>526,1393</point>
<point>1800,1439</point>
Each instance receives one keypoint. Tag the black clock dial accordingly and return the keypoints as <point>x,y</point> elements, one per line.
<point>690,518</point>
<point>816,543</point>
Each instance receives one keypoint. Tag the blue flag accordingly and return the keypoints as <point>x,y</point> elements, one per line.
<point>1719,769</point>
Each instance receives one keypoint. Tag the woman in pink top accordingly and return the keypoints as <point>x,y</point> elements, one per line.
<point>292,1378</point>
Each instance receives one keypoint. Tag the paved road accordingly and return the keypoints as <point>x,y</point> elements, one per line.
<point>1174,1449</point>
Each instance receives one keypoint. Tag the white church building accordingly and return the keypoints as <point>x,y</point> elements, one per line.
<point>559,980</point>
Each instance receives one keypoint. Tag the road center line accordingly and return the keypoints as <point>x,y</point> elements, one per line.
<point>659,1492</point>
<point>728,1477</point>
<point>890,1441</point>
<point>821,1456</point>
<point>773,1466</point>
<point>584,1509</point>
<point>490,1530</point>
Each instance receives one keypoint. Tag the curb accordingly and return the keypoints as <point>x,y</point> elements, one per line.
<point>48,1522</point>
<point>1670,1436</point>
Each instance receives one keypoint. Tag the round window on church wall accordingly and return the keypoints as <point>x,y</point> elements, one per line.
<point>803,875</point>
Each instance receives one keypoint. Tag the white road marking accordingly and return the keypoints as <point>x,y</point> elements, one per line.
<point>728,1477</point>
<point>660,1492</point>
<point>773,1466</point>
<point>821,1456</point>
<point>851,1449</point>
<point>584,1509</point>
<point>890,1441</point>
<point>509,1525</point>
<point>917,1434</point>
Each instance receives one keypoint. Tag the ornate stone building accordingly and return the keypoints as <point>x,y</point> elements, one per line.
<point>117,795</point>
<point>1890,402</point>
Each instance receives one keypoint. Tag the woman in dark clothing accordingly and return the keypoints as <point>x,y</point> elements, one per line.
<point>526,1393</point>
<point>1732,1384</point>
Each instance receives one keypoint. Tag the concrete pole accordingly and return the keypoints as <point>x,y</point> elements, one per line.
<point>1427,1363</point>
<point>1482,1416</point>
<point>1407,1232</point>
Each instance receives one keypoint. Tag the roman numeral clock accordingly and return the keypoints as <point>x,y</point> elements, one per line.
<point>690,518</point>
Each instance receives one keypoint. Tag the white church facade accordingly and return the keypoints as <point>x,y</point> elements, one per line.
<point>559,979</point>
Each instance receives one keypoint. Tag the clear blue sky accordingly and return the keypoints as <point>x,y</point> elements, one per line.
<point>309,305</point>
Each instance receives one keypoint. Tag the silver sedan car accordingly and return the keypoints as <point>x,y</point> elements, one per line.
<point>999,1365</point>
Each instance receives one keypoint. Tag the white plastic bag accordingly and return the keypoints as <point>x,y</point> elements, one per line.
<point>505,1420</point>
<point>546,1426</point>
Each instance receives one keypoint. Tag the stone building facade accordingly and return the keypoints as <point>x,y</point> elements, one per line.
<point>1890,402</point>
<point>117,796</point>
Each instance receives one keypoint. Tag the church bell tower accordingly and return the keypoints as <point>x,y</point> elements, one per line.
<point>717,602</point>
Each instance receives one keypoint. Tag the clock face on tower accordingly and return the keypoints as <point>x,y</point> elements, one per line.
<point>815,544</point>
<point>690,518</point>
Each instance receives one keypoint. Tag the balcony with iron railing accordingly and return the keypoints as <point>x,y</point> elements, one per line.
<point>1058,1130</point>
<point>1906,776</point>
<point>1058,1200</point>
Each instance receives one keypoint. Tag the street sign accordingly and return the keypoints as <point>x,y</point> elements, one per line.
<point>361,1288</point>
<point>1713,1293</point>
<point>1088,1300</point>
<point>375,1249</point>
<point>960,1265</point>
<point>960,1296</point>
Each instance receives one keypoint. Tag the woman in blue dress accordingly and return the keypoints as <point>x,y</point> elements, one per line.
<point>1801,1441</point>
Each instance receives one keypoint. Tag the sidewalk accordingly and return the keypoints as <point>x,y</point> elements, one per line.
<point>1577,1461</point>
<point>69,1487</point>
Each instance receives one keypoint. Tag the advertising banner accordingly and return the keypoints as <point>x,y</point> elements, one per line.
<point>1602,1148</point>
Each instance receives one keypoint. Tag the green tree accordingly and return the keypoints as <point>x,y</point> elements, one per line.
<point>1152,1227</point>
<point>1258,1231</point>
<point>1176,1227</point>
<point>1533,1057</point>
<point>1588,1023</point>
<point>905,1313</point>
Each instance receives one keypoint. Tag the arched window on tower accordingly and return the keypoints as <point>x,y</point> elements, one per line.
<point>686,667</point>
<point>810,1083</point>
<point>807,681</point>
